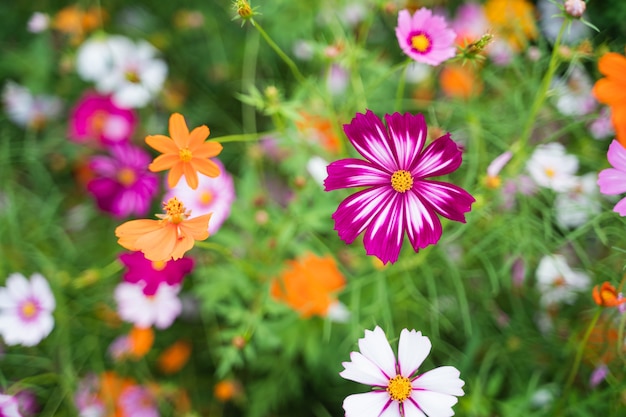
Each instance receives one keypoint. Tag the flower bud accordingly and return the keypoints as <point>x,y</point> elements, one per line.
<point>575,8</point>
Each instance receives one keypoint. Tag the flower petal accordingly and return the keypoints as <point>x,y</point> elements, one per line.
<point>164,162</point>
<point>444,380</point>
<point>370,138</point>
<point>191,176</point>
<point>620,207</point>
<point>352,172</point>
<point>612,181</point>
<point>42,292</point>
<point>368,404</point>
<point>612,65</point>
<point>408,135</point>
<point>375,347</point>
<point>434,404</point>
<point>411,409</point>
<point>158,244</point>
<point>162,144</point>
<point>179,131</point>
<point>129,232</point>
<point>423,227</point>
<point>446,199</point>
<point>208,150</point>
<point>206,167</point>
<point>385,233</point>
<point>617,156</point>
<point>197,137</point>
<point>175,173</point>
<point>413,348</point>
<point>197,227</point>
<point>364,371</point>
<point>441,157</point>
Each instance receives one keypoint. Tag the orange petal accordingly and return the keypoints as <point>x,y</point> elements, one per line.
<point>179,131</point>
<point>609,92</point>
<point>613,65</point>
<point>159,244</point>
<point>141,340</point>
<point>162,144</point>
<point>197,137</point>
<point>175,173</point>
<point>618,117</point>
<point>164,162</point>
<point>129,232</point>
<point>206,167</point>
<point>182,246</point>
<point>197,227</point>
<point>208,150</point>
<point>190,175</point>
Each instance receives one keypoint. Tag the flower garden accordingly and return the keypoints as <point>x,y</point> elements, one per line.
<point>385,208</point>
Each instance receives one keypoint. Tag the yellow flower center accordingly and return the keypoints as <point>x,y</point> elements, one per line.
<point>402,181</point>
<point>126,177</point>
<point>97,122</point>
<point>399,388</point>
<point>549,172</point>
<point>174,211</point>
<point>420,42</point>
<point>158,265</point>
<point>493,182</point>
<point>206,197</point>
<point>132,76</point>
<point>29,309</point>
<point>185,155</point>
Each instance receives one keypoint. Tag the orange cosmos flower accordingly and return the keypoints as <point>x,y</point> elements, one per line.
<point>141,340</point>
<point>512,20</point>
<point>184,153</point>
<point>167,238</point>
<point>308,285</point>
<point>459,81</point>
<point>76,22</point>
<point>607,296</point>
<point>174,357</point>
<point>611,91</point>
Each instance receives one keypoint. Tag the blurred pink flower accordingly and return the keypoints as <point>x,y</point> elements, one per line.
<point>612,181</point>
<point>123,184</point>
<point>27,109</point>
<point>144,310</point>
<point>598,375</point>
<point>424,37</point>
<point>9,406</point>
<point>150,275</point>
<point>138,401</point>
<point>602,126</point>
<point>470,23</point>
<point>96,118</point>
<point>26,308</point>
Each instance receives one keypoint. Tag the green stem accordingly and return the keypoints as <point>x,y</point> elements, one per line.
<point>292,66</point>
<point>400,90</point>
<point>246,137</point>
<point>579,352</point>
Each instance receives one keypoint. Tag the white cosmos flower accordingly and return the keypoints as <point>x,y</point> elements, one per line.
<point>574,207</point>
<point>557,282</point>
<point>9,406</point>
<point>143,310</point>
<point>550,167</point>
<point>26,310</point>
<point>130,71</point>
<point>398,389</point>
<point>27,109</point>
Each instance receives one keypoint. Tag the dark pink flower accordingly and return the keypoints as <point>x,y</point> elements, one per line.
<point>123,185</point>
<point>95,118</point>
<point>398,197</point>
<point>152,274</point>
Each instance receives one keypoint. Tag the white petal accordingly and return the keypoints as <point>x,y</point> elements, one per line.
<point>375,347</point>
<point>42,292</point>
<point>444,379</point>
<point>6,302</point>
<point>412,350</point>
<point>412,410</point>
<point>368,404</point>
<point>364,371</point>
<point>434,404</point>
<point>18,287</point>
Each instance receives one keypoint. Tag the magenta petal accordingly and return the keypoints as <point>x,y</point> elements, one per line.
<point>354,173</point>
<point>612,181</point>
<point>408,135</point>
<point>356,212</point>
<point>617,156</point>
<point>441,157</point>
<point>620,207</point>
<point>385,233</point>
<point>422,225</point>
<point>369,137</point>
<point>446,199</point>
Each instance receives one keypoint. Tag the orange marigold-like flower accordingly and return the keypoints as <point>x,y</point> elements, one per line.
<point>606,295</point>
<point>184,153</point>
<point>167,238</point>
<point>174,357</point>
<point>141,340</point>
<point>309,284</point>
<point>76,22</point>
<point>611,90</point>
<point>512,20</point>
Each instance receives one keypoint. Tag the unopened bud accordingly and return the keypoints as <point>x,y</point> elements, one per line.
<point>243,9</point>
<point>575,8</point>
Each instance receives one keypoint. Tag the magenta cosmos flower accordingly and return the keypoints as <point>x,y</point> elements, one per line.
<point>151,274</point>
<point>95,118</point>
<point>399,198</point>
<point>398,389</point>
<point>123,184</point>
<point>424,37</point>
<point>613,180</point>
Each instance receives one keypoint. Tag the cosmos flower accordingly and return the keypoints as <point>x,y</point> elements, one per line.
<point>9,406</point>
<point>557,282</point>
<point>122,185</point>
<point>611,90</point>
<point>96,118</point>
<point>160,309</point>
<point>398,389</point>
<point>493,170</point>
<point>576,206</point>
<point>607,296</point>
<point>399,197</point>
<point>172,359</point>
<point>213,195</point>
<point>184,154</point>
<point>167,238</point>
<point>550,167</point>
<point>612,181</point>
<point>26,308</point>
<point>138,401</point>
<point>572,94</point>
<point>152,274</point>
<point>424,37</point>
<point>28,110</point>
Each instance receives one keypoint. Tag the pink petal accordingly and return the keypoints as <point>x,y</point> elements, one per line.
<point>441,157</point>
<point>612,181</point>
<point>413,348</point>
<point>351,172</point>
<point>422,224</point>
<point>443,380</point>
<point>620,207</point>
<point>617,156</point>
<point>408,135</point>
<point>446,199</point>
<point>369,404</point>
<point>369,137</point>
<point>375,347</point>
<point>385,233</point>
<point>364,371</point>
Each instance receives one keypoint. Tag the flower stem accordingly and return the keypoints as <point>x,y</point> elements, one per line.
<point>292,65</point>
<point>579,352</point>
<point>400,90</point>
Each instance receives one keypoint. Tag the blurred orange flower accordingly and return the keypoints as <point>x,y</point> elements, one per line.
<point>174,357</point>
<point>76,22</point>
<point>167,238</point>
<point>111,386</point>
<point>513,20</point>
<point>606,295</point>
<point>459,81</point>
<point>184,154</point>
<point>308,285</point>
<point>320,130</point>
<point>226,390</point>
<point>611,91</point>
<point>140,341</point>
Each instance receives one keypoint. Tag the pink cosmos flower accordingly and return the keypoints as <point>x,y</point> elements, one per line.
<point>424,37</point>
<point>26,310</point>
<point>96,118</point>
<point>152,274</point>
<point>142,310</point>
<point>9,406</point>
<point>213,195</point>
<point>123,184</point>
<point>613,180</point>
<point>399,198</point>
<point>398,389</point>
<point>137,401</point>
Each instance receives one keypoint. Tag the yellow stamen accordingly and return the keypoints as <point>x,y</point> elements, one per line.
<point>206,197</point>
<point>493,182</point>
<point>158,265</point>
<point>29,309</point>
<point>559,282</point>
<point>174,211</point>
<point>126,177</point>
<point>185,155</point>
<point>402,181</point>
<point>420,42</point>
<point>132,77</point>
<point>549,172</point>
<point>399,388</point>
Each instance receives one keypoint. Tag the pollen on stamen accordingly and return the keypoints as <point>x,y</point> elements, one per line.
<point>175,211</point>
<point>402,181</point>
<point>185,155</point>
<point>399,388</point>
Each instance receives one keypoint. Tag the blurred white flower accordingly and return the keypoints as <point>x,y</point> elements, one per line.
<point>572,95</point>
<point>303,50</point>
<point>338,312</point>
<point>130,71</point>
<point>574,207</point>
<point>550,167</point>
<point>316,166</point>
<point>28,110</point>
<point>142,310</point>
<point>417,72</point>
<point>337,79</point>
<point>9,406</point>
<point>557,282</point>
<point>38,22</point>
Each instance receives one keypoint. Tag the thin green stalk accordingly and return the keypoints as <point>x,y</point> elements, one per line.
<point>400,90</point>
<point>246,137</point>
<point>579,352</point>
<point>292,65</point>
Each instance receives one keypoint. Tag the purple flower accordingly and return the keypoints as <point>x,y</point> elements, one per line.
<point>424,37</point>
<point>123,184</point>
<point>152,274</point>
<point>139,402</point>
<point>399,198</point>
<point>613,180</point>
<point>96,118</point>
